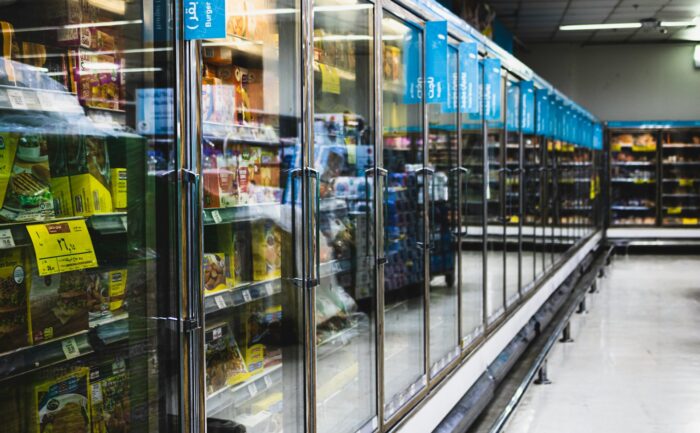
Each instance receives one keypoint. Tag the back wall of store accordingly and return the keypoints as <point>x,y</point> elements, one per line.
<point>623,82</point>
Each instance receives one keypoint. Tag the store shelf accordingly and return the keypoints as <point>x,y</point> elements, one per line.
<point>107,330</point>
<point>256,135</point>
<point>680,195</point>
<point>682,180</point>
<point>633,164</point>
<point>575,164</point>
<point>239,394</point>
<point>630,180</point>
<point>240,295</point>
<point>672,163</point>
<point>632,208</point>
<point>681,146</point>
<point>235,214</point>
<point>334,267</point>
<point>26,99</point>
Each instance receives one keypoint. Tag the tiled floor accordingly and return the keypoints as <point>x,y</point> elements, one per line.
<point>635,363</point>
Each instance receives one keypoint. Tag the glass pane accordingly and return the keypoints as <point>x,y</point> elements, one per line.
<point>512,193</point>
<point>680,192</point>
<point>633,178</point>
<point>443,216</point>
<point>88,211</point>
<point>558,182</point>
<point>344,156</point>
<point>250,145</point>
<point>472,242</point>
<point>496,213</point>
<point>404,272</point>
<point>533,230</point>
<point>550,199</point>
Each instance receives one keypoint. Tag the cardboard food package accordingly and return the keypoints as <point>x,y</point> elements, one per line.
<point>63,404</point>
<point>96,79</point>
<point>90,176</point>
<point>28,195</point>
<point>119,185</point>
<point>57,304</point>
<point>109,395</point>
<point>216,272</point>
<point>267,253</point>
<point>14,332</point>
<point>225,364</point>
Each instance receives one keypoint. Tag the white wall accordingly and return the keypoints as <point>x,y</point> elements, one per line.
<point>623,82</point>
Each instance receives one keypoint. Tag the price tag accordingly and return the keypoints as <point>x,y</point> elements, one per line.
<point>46,100</point>
<point>685,182</point>
<point>220,302</point>
<point>246,295</point>
<point>674,210</point>
<point>253,389</point>
<point>6,239</point>
<point>268,381</point>
<point>216,216</point>
<point>16,99</point>
<point>70,348</point>
<point>641,181</point>
<point>269,289</point>
<point>689,221</point>
<point>62,247</point>
<point>96,393</point>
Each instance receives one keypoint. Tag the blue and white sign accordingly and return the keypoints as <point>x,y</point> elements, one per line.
<point>542,112</point>
<point>469,77</point>
<point>154,111</point>
<point>527,107</point>
<point>205,19</point>
<point>436,62</point>
<point>452,83</point>
<point>512,106</point>
<point>413,92</point>
<point>492,89</point>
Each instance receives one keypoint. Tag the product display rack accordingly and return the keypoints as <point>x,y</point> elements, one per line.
<point>659,162</point>
<point>281,227</point>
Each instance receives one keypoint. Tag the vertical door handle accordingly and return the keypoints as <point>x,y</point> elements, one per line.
<point>312,173</point>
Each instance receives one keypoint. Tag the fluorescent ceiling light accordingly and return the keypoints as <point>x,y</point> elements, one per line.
<point>696,56</point>
<point>79,26</point>
<point>100,66</point>
<point>607,26</point>
<point>691,23</point>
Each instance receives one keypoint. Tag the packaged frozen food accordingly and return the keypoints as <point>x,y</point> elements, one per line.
<point>90,176</point>
<point>14,332</point>
<point>109,398</point>
<point>266,243</point>
<point>8,147</point>
<point>216,272</point>
<point>118,178</point>
<point>57,304</point>
<point>63,404</point>
<point>225,364</point>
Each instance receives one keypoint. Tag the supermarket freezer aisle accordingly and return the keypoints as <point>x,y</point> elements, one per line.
<point>634,363</point>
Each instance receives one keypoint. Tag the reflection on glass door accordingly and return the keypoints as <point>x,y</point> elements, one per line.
<point>443,157</point>
<point>250,114</point>
<point>511,197</point>
<point>343,155</point>
<point>472,225</point>
<point>496,212</point>
<point>89,292</point>
<point>533,230</point>
<point>404,272</point>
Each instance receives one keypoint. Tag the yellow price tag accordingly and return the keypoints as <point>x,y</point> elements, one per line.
<point>689,221</point>
<point>645,148</point>
<point>674,210</point>
<point>514,219</point>
<point>62,247</point>
<point>685,182</point>
<point>330,80</point>
<point>616,147</point>
<point>592,189</point>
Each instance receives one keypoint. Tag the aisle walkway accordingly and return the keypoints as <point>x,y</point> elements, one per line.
<point>635,362</point>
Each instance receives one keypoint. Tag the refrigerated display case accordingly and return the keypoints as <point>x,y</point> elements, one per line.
<point>680,165</point>
<point>512,192</point>
<point>532,215</point>
<point>575,166</point>
<point>90,251</point>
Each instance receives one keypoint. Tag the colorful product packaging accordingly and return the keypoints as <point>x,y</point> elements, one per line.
<point>109,398</point>
<point>216,272</point>
<point>63,404</point>
<point>267,254</point>
<point>90,179</point>
<point>225,364</point>
<point>14,332</point>
<point>118,179</point>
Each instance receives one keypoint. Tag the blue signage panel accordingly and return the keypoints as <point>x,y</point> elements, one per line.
<point>492,89</point>
<point>542,112</point>
<point>413,92</point>
<point>205,19</point>
<point>452,82</point>
<point>527,107</point>
<point>436,62</point>
<point>469,77</point>
<point>512,106</point>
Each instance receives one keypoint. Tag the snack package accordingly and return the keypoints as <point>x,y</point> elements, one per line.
<point>225,365</point>
<point>118,179</point>
<point>116,287</point>
<point>267,253</point>
<point>14,332</point>
<point>90,179</point>
<point>97,88</point>
<point>57,304</point>
<point>8,147</point>
<point>63,404</point>
<point>216,272</point>
<point>28,196</point>
<point>109,398</point>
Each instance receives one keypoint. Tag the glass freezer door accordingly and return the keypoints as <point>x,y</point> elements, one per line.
<point>531,215</point>
<point>512,192</point>
<point>90,220</point>
<point>250,154</point>
<point>344,157</point>
<point>404,272</point>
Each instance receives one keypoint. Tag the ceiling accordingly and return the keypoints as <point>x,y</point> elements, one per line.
<point>539,20</point>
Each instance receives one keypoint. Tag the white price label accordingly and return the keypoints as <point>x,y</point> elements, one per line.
<point>16,99</point>
<point>6,239</point>
<point>46,100</point>
<point>217,333</point>
<point>220,302</point>
<point>253,389</point>
<point>216,216</point>
<point>96,393</point>
<point>268,381</point>
<point>70,348</point>
<point>246,296</point>
<point>269,289</point>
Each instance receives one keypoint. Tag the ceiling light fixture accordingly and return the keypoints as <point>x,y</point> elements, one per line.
<point>647,23</point>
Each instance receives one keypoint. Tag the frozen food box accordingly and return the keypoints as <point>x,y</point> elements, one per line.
<point>14,332</point>
<point>225,364</point>
<point>28,195</point>
<point>216,272</point>
<point>63,403</point>
<point>8,147</point>
<point>90,176</point>
<point>109,398</point>
<point>118,178</point>
<point>116,288</point>
<point>267,260</point>
<point>58,304</point>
